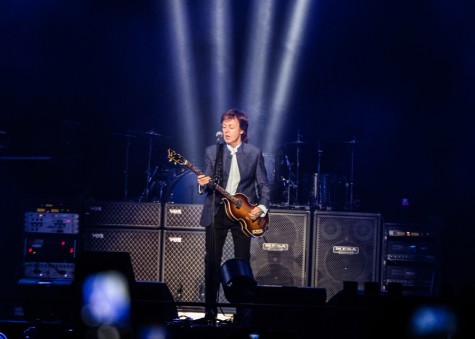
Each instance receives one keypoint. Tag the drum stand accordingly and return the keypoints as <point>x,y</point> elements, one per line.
<point>289,184</point>
<point>350,202</point>
<point>148,175</point>
<point>317,194</point>
<point>294,184</point>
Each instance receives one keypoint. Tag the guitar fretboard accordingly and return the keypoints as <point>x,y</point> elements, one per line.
<point>219,188</point>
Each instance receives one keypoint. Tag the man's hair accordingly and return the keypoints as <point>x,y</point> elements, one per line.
<point>241,117</point>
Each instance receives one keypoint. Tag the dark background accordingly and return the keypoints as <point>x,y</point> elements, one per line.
<point>398,76</point>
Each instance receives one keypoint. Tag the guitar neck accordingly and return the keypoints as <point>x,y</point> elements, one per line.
<point>217,187</point>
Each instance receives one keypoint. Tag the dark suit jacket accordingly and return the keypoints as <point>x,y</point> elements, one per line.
<point>253,174</point>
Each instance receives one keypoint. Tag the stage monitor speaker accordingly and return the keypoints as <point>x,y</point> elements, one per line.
<point>281,256</point>
<point>142,245</point>
<point>286,310</point>
<point>183,264</point>
<point>182,216</point>
<point>152,303</point>
<point>346,248</point>
<point>93,262</point>
<point>123,214</point>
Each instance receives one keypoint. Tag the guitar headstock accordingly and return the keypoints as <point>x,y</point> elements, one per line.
<point>176,158</point>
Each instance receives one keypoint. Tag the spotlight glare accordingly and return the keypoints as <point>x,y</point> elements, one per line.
<point>286,71</point>
<point>186,83</point>
<point>257,60</point>
<point>221,59</point>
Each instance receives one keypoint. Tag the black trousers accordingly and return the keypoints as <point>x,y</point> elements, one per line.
<point>218,233</point>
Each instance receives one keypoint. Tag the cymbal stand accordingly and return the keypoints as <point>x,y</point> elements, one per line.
<point>317,195</point>
<point>299,141</point>
<point>161,184</point>
<point>288,182</point>
<point>148,176</point>
<point>352,169</point>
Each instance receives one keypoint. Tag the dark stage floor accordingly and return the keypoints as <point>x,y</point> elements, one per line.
<point>54,312</point>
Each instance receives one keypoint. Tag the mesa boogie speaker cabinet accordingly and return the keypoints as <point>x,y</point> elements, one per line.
<point>143,245</point>
<point>183,264</point>
<point>281,256</point>
<point>346,248</point>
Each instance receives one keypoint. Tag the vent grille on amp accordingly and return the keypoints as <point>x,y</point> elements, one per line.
<point>281,257</point>
<point>183,264</point>
<point>143,245</point>
<point>123,214</point>
<point>183,253</point>
<point>346,248</point>
<point>182,216</point>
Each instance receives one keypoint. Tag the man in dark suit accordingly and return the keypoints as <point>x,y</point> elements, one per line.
<point>239,168</point>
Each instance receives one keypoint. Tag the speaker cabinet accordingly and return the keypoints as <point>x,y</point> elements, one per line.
<point>183,264</point>
<point>143,245</point>
<point>182,216</point>
<point>152,303</point>
<point>346,248</point>
<point>281,256</point>
<point>93,262</point>
<point>286,310</point>
<point>125,214</point>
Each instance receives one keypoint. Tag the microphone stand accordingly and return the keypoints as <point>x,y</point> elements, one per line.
<point>210,300</point>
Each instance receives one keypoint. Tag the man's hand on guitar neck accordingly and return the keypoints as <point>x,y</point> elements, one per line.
<point>203,180</point>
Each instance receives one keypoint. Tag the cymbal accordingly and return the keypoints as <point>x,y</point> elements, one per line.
<point>150,133</point>
<point>355,141</point>
<point>297,142</point>
<point>127,135</point>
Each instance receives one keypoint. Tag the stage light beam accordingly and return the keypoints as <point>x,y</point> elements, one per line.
<point>185,75</point>
<point>256,68</point>
<point>286,72</point>
<point>221,57</point>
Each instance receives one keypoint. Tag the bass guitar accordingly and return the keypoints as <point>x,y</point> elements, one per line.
<point>237,206</point>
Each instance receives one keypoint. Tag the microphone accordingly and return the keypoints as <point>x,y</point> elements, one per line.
<point>219,137</point>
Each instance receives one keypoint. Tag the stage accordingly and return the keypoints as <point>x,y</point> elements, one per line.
<point>53,311</point>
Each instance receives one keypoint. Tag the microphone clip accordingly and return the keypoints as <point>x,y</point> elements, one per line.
<point>219,137</point>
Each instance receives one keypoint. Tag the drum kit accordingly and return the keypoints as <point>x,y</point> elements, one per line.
<point>302,179</point>
<point>163,182</point>
<point>298,173</point>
